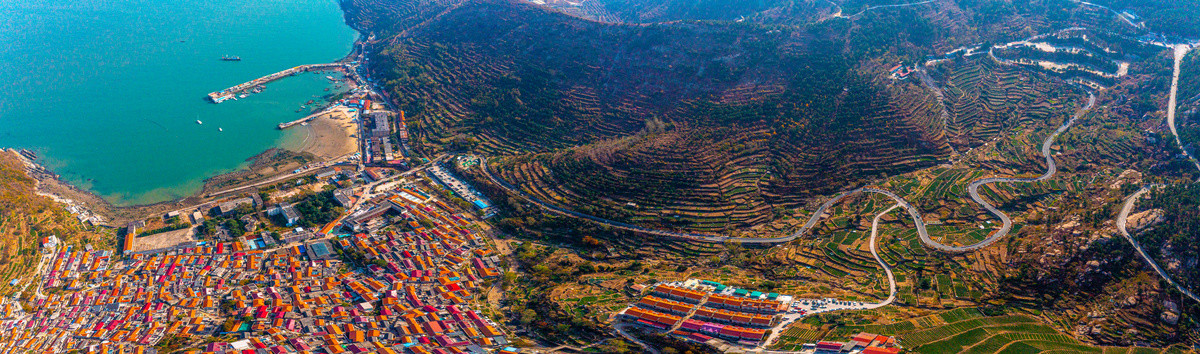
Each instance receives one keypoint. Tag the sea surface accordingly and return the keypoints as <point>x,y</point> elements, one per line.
<point>108,92</point>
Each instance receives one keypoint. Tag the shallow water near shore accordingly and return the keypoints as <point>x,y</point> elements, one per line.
<point>108,92</point>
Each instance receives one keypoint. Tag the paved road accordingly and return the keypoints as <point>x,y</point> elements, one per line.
<point>886,268</point>
<point>1181,51</point>
<point>620,327</point>
<point>369,190</point>
<point>973,190</point>
<point>838,13</point>
<point>790,317</point>
<point>1121,220</point>
<point>275,179</point>
<point>887,6</point>
<point>1126,19</point>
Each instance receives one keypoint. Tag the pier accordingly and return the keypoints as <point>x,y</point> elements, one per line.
<point>307,118</point>
<point>220,96</point>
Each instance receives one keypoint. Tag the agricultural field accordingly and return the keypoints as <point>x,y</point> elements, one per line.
<point>961,330</point>
<point>985,98</point>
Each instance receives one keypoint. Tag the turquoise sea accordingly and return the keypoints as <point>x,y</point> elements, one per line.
<point>108,92</point>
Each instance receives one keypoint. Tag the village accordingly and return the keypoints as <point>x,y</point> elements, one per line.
<point>400,271</point>
<point>737,320</point>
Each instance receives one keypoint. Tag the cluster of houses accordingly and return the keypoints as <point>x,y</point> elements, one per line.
<point>901,72</point>
<point>863,343</point>
<point>703,310</point>
<point>413,292</point>
<point>440,175</point>
<point>71,268</point>
<point>380,147</point>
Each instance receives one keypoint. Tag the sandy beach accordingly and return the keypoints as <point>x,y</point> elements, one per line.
<point>329,135</point>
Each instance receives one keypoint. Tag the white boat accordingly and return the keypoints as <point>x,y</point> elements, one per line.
<point>220,130</point>
<point>199,122</point>
<point>242,95</point>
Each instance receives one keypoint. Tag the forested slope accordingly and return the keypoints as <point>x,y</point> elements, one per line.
<point>690,118</point>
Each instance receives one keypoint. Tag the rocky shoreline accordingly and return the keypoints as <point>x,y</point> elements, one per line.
<point>51,186</point>
<point>95,210</point>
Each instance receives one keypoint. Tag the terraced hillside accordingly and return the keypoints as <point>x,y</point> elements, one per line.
<point>984,98</point>
<point>1097,58</point>
<point>720,178</point>
<point>653,11</point>
<point>26,217</point>
<point>694,120</point>
<point>527,79</point>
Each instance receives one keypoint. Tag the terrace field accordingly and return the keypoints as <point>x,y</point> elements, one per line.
<point>738,118</point>
<point>964,330</point>
<point>26,217</point>
<point>709,126</point>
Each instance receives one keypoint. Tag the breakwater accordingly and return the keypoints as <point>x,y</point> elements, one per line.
<point>222,95</point>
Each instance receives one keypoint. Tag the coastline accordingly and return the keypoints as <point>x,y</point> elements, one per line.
<point>326,138</point>
<point>323,139</point>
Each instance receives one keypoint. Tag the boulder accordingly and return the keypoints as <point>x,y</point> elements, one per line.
<point>1170,317</point>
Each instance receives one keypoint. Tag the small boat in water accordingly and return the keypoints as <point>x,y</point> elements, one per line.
<point>229,58</point>
<point>242,95</point>
<point>220,130</point>
<point>199,122</point>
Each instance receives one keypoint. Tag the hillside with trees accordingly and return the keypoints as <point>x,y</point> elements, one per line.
<point>26,218</point>
<point>693,117</point>
<point>736,118</point>
<point>1175,241</point>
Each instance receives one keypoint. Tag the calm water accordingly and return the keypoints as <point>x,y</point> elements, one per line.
<point>108,92</point>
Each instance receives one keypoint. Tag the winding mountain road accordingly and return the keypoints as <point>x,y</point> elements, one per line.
<point>1123,217</point>
<point>875,253</point>
<point>973,190</point>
